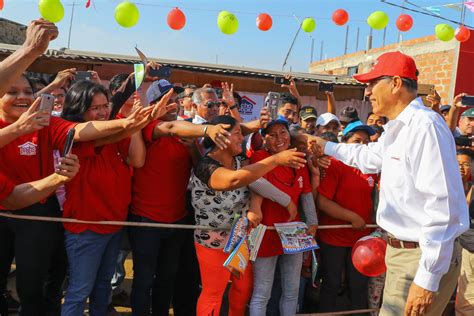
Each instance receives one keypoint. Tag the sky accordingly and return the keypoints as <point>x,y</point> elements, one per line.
<point>95,29</point>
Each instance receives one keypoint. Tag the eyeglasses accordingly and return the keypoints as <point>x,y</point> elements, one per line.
<point>211,104</point>
<point>464,164</point>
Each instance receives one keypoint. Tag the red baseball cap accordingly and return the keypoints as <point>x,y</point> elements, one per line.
<point>391,64</point>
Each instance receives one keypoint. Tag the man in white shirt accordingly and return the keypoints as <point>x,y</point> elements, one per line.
<point>422,204</point>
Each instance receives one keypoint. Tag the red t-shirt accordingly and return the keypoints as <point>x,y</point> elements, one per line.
<point>159,188</point>
<point>351,189</point>
<point>6,187</point>
<point>30,157</point>
<point>293,182</point>
<point>101,191</point>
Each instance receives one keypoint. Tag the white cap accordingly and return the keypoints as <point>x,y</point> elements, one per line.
<point>325,118</point>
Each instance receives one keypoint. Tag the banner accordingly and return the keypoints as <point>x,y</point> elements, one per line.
<point>251,106</point>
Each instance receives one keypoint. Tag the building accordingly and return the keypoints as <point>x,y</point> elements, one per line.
<point>447,66</point>
<point>12,32</point>
<point>254,84</point>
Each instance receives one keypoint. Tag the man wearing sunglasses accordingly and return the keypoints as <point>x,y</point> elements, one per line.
<point>207,105</point>
<point>422,204</point>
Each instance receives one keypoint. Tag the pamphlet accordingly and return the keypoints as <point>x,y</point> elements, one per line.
<point>294,238</point>
<point>237,233</point>
<point>239,259</point>
<point>254,240</point>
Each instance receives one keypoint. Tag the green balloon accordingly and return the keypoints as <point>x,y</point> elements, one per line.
<point>308,25</point>
<point>227,22</point>
<point>127,14</point>
<point>444,32</point>
<point>51,10</point>
<point>378,20</point>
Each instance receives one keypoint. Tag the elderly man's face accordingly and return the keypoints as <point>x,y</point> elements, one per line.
<point>379,92</point>
<point>209,107</point>
<point>466,125</point>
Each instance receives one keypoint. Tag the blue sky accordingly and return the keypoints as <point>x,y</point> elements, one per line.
<point>200,40</point>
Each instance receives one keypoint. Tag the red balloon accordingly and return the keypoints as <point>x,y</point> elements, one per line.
<point>264,22</point>
<point>368,256</point>
<point>404,23</point>
<point>176,19</point>
<point>462,33</point>
<point>340,17</point>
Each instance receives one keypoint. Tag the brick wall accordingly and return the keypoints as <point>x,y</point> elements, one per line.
<point>435,60</point>
<point>12,32</point>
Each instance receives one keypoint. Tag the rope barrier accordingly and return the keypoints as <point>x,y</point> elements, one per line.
<point>140,224</point>
<point>358,311</point>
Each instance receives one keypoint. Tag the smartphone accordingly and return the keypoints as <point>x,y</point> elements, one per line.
<point>69,142</point>
<point>46,105</point>
<point>467,100</point>
<point>82,75</point>
<point>463,141</point>
<point>272,101</point>
<point>162,72</point>
<point>326,87</point>
<point>281,80</point>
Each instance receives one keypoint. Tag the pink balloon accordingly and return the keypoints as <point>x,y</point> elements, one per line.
<point>368,256</point>
<point>404,23</point>
<point>462,33</point>
<point>176,19</point>
<point>340,17</point>
<point>264,22</point>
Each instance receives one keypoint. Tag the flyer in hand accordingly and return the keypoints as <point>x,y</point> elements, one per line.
<point>294,238</point>
<point>239,258</point>
<point>254,239</point>
<point>237,233</point>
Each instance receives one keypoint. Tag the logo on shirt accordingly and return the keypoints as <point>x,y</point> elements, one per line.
<point>28,149</point>
<point>371,182</point>
<point>300,182</point>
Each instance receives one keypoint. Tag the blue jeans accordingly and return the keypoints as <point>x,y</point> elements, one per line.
<point>264,270</point>
<point>92,259</point>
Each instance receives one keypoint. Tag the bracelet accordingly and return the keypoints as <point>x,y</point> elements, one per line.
<point>205,130</point>
<point>233,107</point>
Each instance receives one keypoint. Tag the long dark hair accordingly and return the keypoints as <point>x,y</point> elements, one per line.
<point>221,119</point>
<point>79,99</point>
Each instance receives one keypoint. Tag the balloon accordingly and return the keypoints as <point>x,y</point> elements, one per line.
<point>404,23</point>
<point>340,17</point>
<point>227,22</point>
<point>462,33</point>
<point>176,19</point>
<point>444,32</point>
<point>1,4</point>
<point>309,24</point>
<point>378,20</point>
<point>368,256</point>
<point>264,22</point>
<point>127,14</point>
<point>51,10</point>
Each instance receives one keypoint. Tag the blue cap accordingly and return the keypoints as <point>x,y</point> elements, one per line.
<point>358,126</point>
<point>159,88</point>
<point>279,120</point>
<point>444,108</point>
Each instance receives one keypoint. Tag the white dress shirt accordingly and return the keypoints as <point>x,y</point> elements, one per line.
<point>199,120</point>
<point>421,192</point>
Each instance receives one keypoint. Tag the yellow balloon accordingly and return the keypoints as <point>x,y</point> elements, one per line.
<point>444,32</point>
<point>227,22</point>
<point>51,10</point>
<point>308,25</point>
<point>127,14</point>
<point>378,20</point>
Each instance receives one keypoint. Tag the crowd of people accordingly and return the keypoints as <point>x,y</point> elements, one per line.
<point>182,155</point>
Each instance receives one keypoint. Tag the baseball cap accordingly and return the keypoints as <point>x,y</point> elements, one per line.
<point>307,112</point>
<point>468,113</point>
<point>279,120</point>
<point>391,64</point>
<point>325,118</point>
<point>358,126</point>
<point>159,88</point>
<point>444,108</point>
<point>349,114</point>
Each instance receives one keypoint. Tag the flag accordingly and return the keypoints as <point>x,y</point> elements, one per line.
<point>470,6</point>
<point>454,6</point>
<point>434,10</point>
<point>88,4</point>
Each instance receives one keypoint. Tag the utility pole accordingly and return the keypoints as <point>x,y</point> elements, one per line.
<point>347,38</point>
<point>70,25</point>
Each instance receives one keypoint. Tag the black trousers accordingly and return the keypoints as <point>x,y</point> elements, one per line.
<point>335,260</point>
<point>35,245</point>
<point>7,253</point>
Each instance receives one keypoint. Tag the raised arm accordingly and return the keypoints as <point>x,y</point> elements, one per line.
<point>453,114</point>
<point>27,194</point>
<point>331,102</point>
<point>223,179</point>
<point>38,35</point>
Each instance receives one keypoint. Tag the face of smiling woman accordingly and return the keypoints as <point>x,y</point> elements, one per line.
<point>277,139</point>
<point>16,101</point>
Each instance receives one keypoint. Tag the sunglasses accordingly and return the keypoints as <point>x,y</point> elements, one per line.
<point>211,104</point>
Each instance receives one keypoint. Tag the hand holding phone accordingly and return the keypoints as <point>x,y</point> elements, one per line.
<point>467,100</point>
<point>281,80</point>
<point>325,87</point>
<point>272,102</point>
<point>162,72</point>
<point>46,106</point>
<point>69,142</point>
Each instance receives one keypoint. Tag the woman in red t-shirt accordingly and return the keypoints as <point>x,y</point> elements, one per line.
<point>28,156</point>
<point>345,197</point>
<point>100,192</point>
<point>295,183</point>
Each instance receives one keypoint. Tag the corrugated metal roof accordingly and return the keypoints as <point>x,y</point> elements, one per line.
<point>94,57</point>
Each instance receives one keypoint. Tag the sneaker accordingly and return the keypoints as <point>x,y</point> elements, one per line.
<point>121,299</point>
